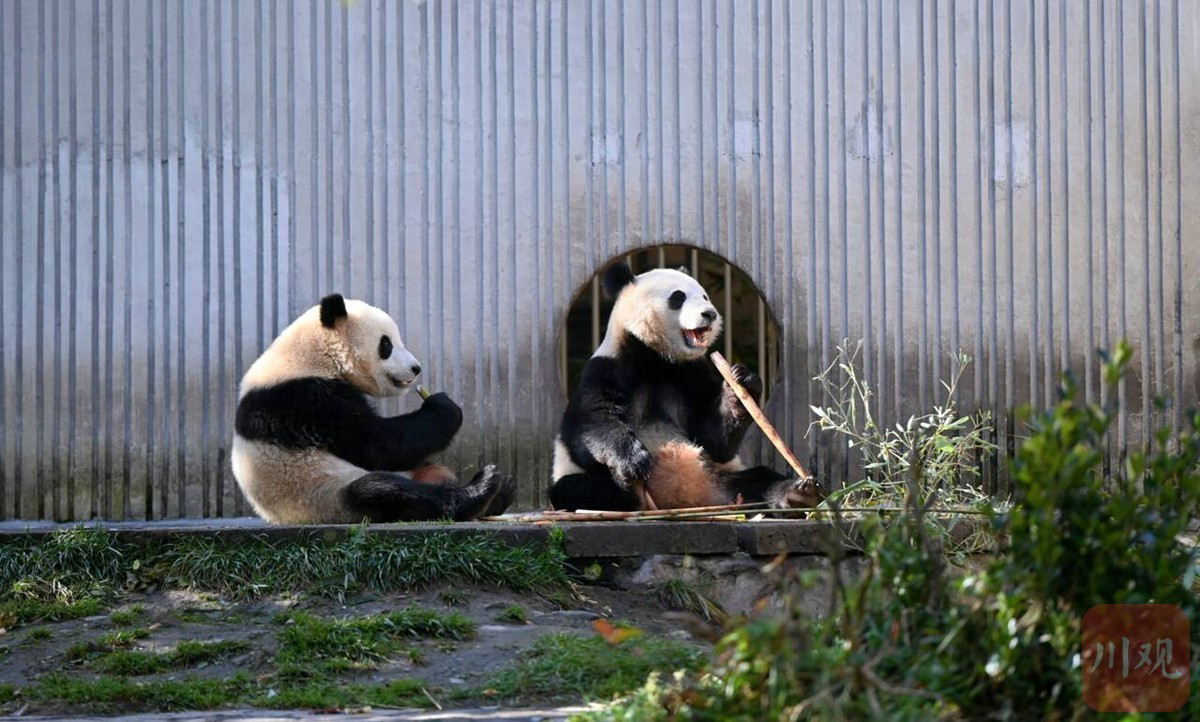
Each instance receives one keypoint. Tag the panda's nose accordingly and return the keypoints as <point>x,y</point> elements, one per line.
<point>416,369</point>
<point>710,315</point>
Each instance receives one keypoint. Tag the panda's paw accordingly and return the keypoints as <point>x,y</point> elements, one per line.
<point>444,407</point>
<point>749,380</point>
<point>506,491</point>
<point>490,492</point>
<point>804,494</point>
<point>634,465</point>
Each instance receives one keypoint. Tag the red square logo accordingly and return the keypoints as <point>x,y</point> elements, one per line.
<point>1136,658</point>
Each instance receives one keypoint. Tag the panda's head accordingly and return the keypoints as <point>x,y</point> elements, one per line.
<point>340,339</point>
<point>665,309</point>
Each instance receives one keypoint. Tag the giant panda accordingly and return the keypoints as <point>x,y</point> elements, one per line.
<point>652,424</point>
<point>309,446</point>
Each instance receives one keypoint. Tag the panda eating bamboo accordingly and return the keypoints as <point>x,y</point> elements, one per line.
<point>310,447</point>
<point>652,424</point>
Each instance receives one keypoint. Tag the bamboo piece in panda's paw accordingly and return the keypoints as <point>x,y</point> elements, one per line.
<point>422,392</point>
<point>757,414</point>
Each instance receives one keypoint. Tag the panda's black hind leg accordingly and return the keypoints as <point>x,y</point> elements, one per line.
<point>591,491</point>
<point>763,484</point>
<point>488,494</point>
<point>382,497</point>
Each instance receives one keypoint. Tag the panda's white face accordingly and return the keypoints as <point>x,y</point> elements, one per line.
<point>339,339</point>
<point>669,311</point>
<point>381,365</point>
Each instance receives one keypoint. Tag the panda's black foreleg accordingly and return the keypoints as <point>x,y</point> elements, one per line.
<point>591,490</point>
<point>383,496</point>
<point>762,484</point>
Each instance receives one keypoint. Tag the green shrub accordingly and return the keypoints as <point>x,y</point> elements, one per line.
<point>912,639</point>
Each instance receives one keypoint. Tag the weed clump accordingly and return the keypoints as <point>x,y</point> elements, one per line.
<point>513,614</point>
<point>682,595</point>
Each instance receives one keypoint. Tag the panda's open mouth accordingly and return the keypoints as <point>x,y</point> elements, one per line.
<point>398,382</point>
<point>697,337</point>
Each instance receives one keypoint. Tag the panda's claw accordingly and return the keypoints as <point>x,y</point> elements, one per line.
<point>749,380</point>
<point>804,494</point>
<point>489,493</point>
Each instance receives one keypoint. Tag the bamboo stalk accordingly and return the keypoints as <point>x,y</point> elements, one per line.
<point>757,414</point>
<point>699,514</point>
<point>595,515</point>
<point>424,394</point>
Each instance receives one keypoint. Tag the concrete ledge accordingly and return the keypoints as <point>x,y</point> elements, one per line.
<point>639,538</point>
<point>582,539</point>
<point>799,536</point>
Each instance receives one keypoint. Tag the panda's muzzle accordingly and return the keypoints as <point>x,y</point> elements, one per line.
<point>399,382</point>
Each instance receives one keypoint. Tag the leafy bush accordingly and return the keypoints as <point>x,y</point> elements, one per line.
<point>941,449</point>
<point>910,639</point>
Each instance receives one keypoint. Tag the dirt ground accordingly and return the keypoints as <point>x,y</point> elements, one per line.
<point>32,652</point>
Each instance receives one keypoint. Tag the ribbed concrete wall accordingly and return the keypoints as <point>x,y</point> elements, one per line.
<point>1017,179</point>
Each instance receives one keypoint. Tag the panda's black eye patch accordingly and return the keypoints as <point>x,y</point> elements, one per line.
<point>385,348</point>
<point>675,301</point>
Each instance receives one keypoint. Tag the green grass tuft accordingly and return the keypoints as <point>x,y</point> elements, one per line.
<point>513,614</point>
<point>588,667</point>
<point>110,694</point>
<point>113,693</point>
<point>327,695</point>
<point>94,564</point>
<point>685,596</point>
<point>128,663</point>
<point>124,638</point>
<point>38,634</point>
<point>311,646</point>
<point>453,597</point>
<point>128,616</point>
<point>14,612</point>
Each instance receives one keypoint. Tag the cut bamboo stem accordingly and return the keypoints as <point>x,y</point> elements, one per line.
<point>707,514</point>
<point>757,414</point>
<point>422,392</point>
<point>593,515</point>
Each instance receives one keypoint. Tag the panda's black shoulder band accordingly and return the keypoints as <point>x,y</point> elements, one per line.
<point>333,307</point>
<point>617,277</point>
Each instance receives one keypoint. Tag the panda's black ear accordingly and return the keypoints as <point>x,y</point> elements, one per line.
<point>616,277</point>
<point>333,307</point>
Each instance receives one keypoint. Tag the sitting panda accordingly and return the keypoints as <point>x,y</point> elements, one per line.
<point>652,423</point>
<point>310,447</point>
